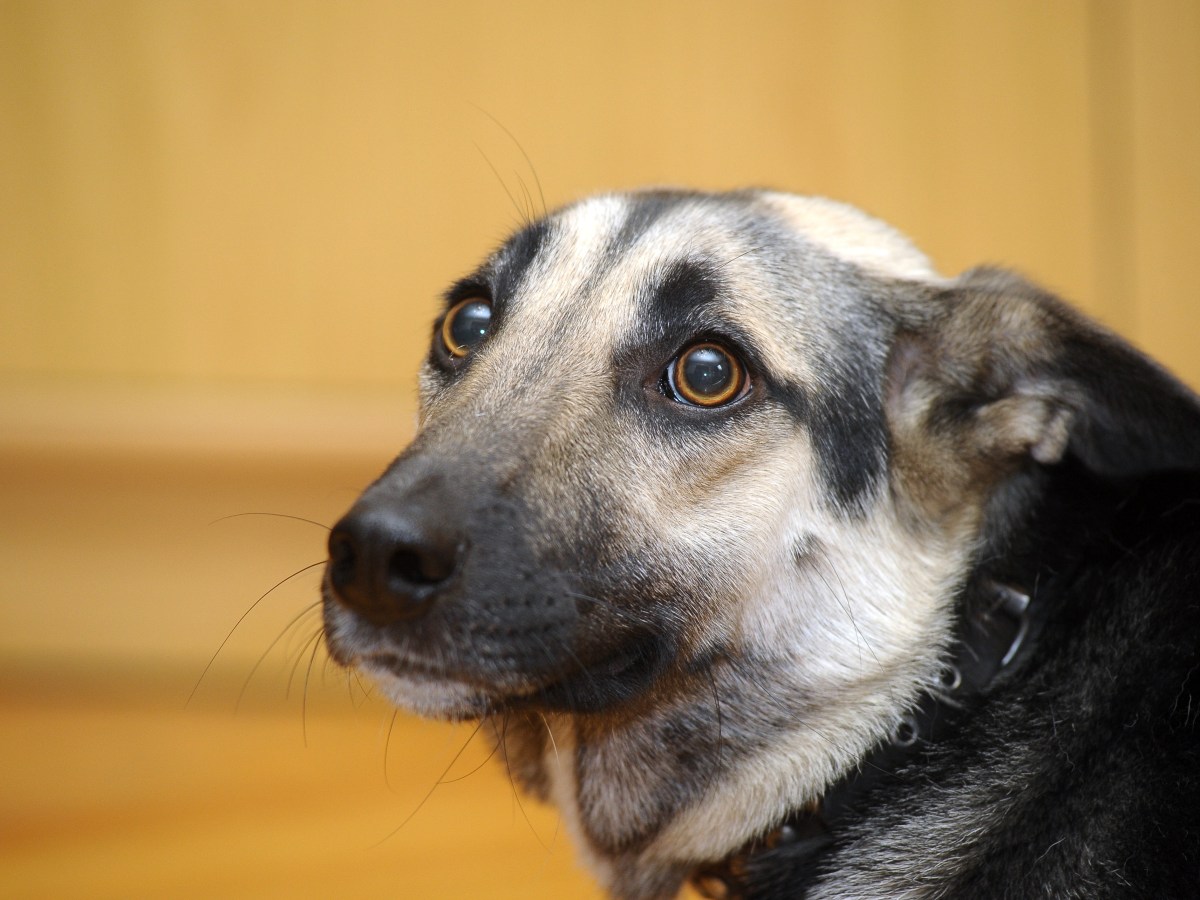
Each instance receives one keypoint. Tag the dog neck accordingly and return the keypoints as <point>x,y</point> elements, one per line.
<point>992,636</point>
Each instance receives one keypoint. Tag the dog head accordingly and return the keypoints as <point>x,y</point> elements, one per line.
<point>697,481</point>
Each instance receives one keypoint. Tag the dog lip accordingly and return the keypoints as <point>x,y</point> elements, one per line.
<point>401,665</point>
<point>398,664</point>
<point>587,687</point>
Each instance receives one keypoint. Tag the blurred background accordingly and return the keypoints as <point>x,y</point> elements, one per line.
<point>223,230</point>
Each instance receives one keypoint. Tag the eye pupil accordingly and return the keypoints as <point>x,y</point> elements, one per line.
<point>466,325</point>
<point>707,375</point>
<point>707,371</point>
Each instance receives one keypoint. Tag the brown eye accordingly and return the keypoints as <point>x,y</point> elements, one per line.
<point>465,326</point>
<point>707,375</point>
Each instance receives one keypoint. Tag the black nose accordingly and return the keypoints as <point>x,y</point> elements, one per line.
<point>389,560</point>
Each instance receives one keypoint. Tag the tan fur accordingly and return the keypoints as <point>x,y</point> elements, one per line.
<point>851,235</point>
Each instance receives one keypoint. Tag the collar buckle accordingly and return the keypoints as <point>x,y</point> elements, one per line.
<point>1014,606</point>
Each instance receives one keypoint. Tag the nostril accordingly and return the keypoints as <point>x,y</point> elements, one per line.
<point>343,559</point>
<point>421,566</point>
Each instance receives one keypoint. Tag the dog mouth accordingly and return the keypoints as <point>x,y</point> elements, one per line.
<point>595,683</point>
<point>613,679</point>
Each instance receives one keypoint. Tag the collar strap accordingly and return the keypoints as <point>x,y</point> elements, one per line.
<point>989,639</point>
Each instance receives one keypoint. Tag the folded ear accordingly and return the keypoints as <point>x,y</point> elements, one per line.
<point>991,373</point>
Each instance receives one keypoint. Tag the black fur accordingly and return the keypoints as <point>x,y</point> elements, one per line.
<point>1087,755</point>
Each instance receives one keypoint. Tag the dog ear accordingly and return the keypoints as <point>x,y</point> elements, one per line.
<point>990,372</point>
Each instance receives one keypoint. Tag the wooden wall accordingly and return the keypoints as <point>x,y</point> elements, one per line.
<point>223,226</point>
<point>228,191</point>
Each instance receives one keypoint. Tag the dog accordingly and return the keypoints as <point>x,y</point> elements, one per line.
<point>787,567</point>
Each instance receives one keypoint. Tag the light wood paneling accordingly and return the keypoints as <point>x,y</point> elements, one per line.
<point>279,190</point>
<point>1165,46</point>
<point>223,227</point>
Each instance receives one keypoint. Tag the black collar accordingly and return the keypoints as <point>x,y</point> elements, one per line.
<point>993,632</point>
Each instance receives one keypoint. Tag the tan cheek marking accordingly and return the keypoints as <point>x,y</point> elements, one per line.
<point>716,475</point>
<point>725,523</point>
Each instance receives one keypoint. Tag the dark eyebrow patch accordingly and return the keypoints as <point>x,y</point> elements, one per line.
<point>515,258</point>
<point>498,279</point>
<point>684,287</point>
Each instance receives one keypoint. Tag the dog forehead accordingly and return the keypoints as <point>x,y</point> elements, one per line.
<point>600,261</point>
<point>577,256</point>
<point>619,241</point>
<point>852,236</point>
<point>844,232</point>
